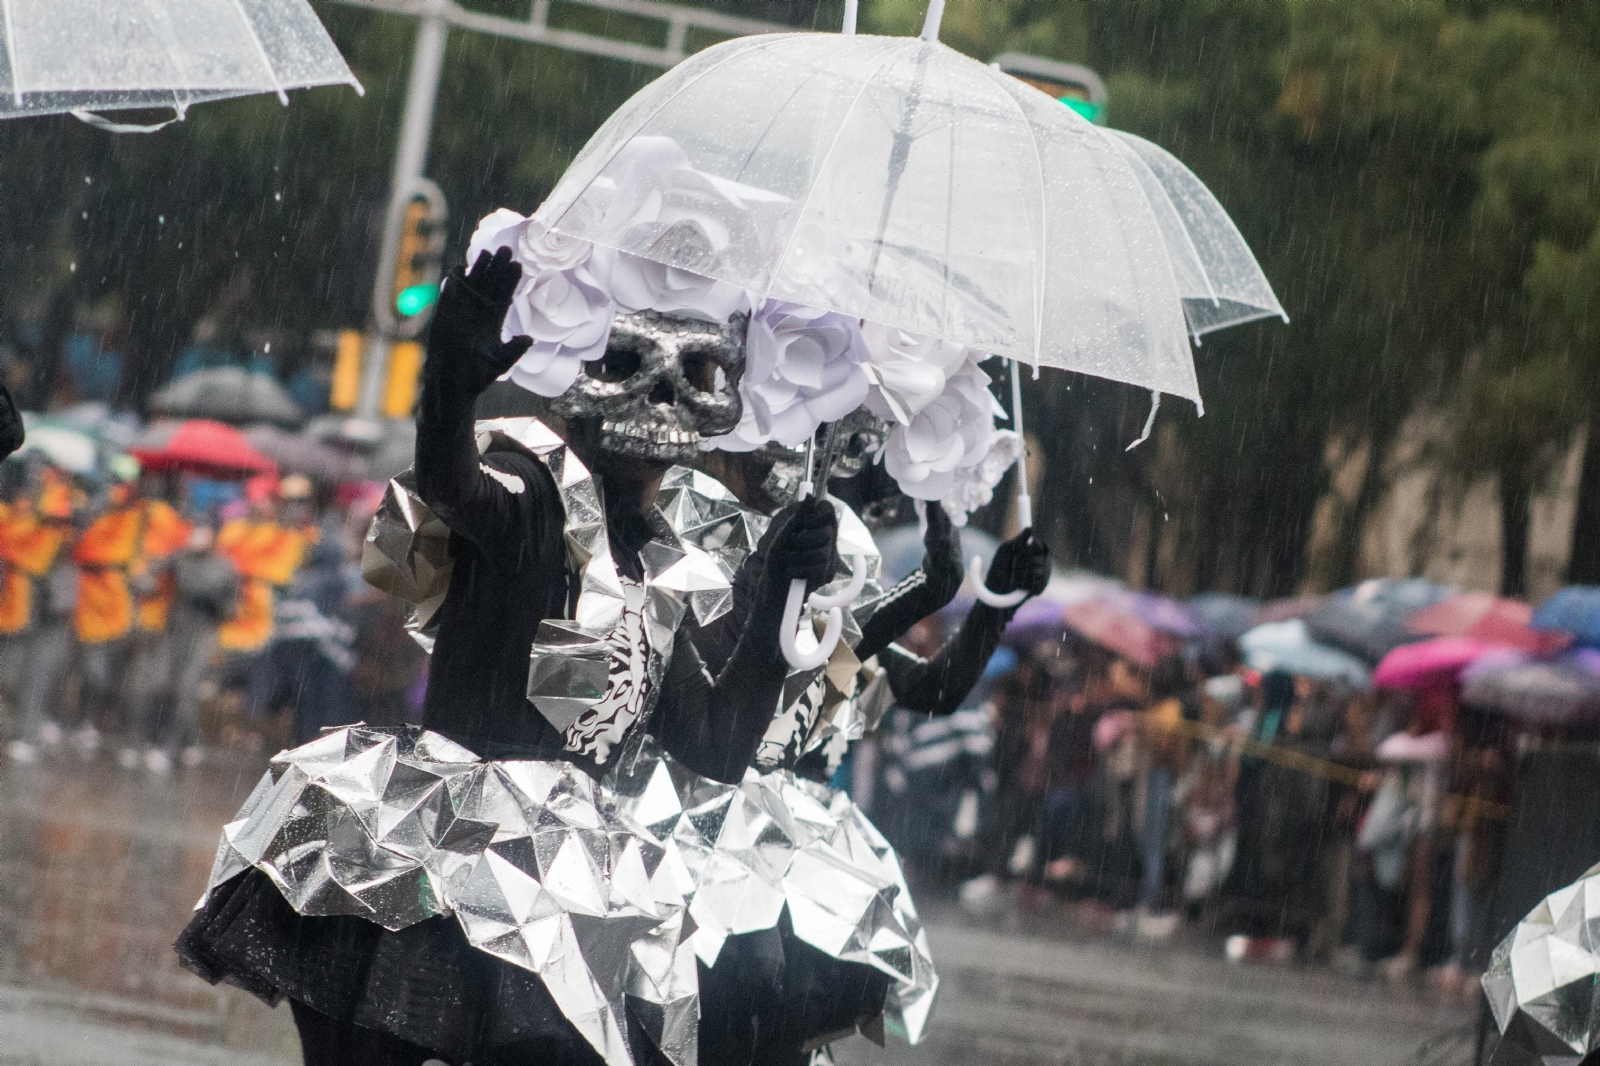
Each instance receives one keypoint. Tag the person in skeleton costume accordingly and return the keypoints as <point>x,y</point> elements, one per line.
<point>470,891</point>
<point>774,992</point>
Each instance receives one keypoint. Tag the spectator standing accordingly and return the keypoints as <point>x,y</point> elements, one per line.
<point>163,720</point>
<point>39,536</point>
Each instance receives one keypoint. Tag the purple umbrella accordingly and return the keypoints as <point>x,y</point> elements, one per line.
<point>1562,691</point>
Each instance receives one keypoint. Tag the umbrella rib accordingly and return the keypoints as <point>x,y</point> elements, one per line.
<point>773,41</point>
<point>1038,172</point>
<point>1135,159</point>
<point>11,53</point>
<point>261,50</point>
<point>777,264</point>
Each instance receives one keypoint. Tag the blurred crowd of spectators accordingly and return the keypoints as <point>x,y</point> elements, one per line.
<point>161,614</point>
<point>1297,818</point>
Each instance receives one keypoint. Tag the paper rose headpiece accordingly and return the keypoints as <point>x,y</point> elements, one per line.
<point>938,397</point>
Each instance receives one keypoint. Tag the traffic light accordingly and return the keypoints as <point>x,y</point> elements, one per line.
<point>418,260</point>
<point>1072,83</point>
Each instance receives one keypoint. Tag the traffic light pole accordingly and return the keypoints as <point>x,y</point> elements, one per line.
<point>416,129</point>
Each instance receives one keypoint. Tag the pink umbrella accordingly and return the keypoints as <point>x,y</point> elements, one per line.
<point>1116,626</point>
<point>1415,665</point>
<point>1485,617</point>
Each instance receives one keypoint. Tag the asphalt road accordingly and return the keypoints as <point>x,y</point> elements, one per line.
<point>100,867</point>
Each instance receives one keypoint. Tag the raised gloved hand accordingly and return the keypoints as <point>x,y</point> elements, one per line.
<point>941,558</point>
<point>11,435</point>
<point>465,353</point>
<point>806,546</point>
<point>1023,562</point>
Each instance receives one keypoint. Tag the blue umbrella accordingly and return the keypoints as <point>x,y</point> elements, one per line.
<point>1576,610</point>
<point>1287,647</point>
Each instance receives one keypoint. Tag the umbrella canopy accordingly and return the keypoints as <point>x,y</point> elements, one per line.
<point>210,449</point>
<point>299,454</point>
<point>898,181</point>
<point>1225,615</point>
<point>1290,607</point>
<point>1482,616</point>
<point>1164,613</point>
<point>1415,665</point>
<point>1560,692</point>
<point>1287,647</point>
<point>228,394</point>
<point>1066,588</point>
<point>1369,619</point>
<point>94,55</point>
<point>65,446</point>
<point>1112,623</point>
<point>1575,610</point>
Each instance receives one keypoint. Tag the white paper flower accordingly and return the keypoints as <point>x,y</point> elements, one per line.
<point>803,367</point>
<point>636,284</point>
<point>974,485</point>
<point>948,434</point>
<point>908,370</point>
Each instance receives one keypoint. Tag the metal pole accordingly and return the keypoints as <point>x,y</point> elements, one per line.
<point>427,60</point>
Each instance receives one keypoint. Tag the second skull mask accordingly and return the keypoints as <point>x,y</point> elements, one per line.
<point>665,383</point>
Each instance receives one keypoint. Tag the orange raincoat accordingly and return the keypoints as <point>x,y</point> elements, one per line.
<point>266,555</point>
<point>165,532</point>
<point>29,545</point>
<point>104,554</point>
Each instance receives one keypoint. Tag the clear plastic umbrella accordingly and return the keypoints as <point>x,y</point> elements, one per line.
<point>916,187</point>
<point>82,56</point>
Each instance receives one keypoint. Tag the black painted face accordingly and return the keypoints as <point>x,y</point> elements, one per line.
<point>664,383</point>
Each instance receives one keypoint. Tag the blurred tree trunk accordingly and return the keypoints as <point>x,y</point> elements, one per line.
<point>1516,505</point>
<point>1583,566</point>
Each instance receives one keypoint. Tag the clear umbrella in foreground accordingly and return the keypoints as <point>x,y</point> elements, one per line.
<point>900,182</point>
<point>86,56</point>
<point>915,187</point>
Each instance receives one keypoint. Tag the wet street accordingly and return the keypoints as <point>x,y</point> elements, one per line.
<point>100,867</point>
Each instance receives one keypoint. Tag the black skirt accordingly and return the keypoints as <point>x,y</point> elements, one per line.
<point>424,984</point>
<point>771,997</point>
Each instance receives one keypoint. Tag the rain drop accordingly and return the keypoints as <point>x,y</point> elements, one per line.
<point>86,214</point>
<point>278,196</point>
<point>72,267</point>
<point>161,220</point>
<point>87,180</point>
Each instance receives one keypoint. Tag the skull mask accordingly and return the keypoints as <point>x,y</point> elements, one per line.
<point>665,382</point>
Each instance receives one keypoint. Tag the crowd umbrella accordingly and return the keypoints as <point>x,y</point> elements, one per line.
<point>197,446</point>
<point>61,445</point>
<point>1289,607</point>
<point>1112,623</point>
<point>228,394</point>
<point>1489,618</point>
<point>1419,664</point>
<point>1560,692</point>
<point>86,56</point>
<point>1574,610</point>
<point>1369,619</point>
<point>1288,647</point>
<point>1225,615</point>
<point>300,454</point>
<point>1066,589</point>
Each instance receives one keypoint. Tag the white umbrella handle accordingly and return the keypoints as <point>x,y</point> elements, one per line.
<point>858,581</point>
<point>982,591</point>
<point>788,632</point>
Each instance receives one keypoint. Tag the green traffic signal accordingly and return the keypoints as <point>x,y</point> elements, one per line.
<point>416,299</point>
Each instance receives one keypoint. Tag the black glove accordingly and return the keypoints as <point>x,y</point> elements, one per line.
<point>941,557</point>
<point>806,546</point>
<point>10,424</point>
<point>1020,563</point>
<point>465,353</point>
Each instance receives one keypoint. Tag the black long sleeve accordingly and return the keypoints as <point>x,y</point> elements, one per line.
<point>11,434</point>
<point>713,722</point>
<point>939,685</point>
